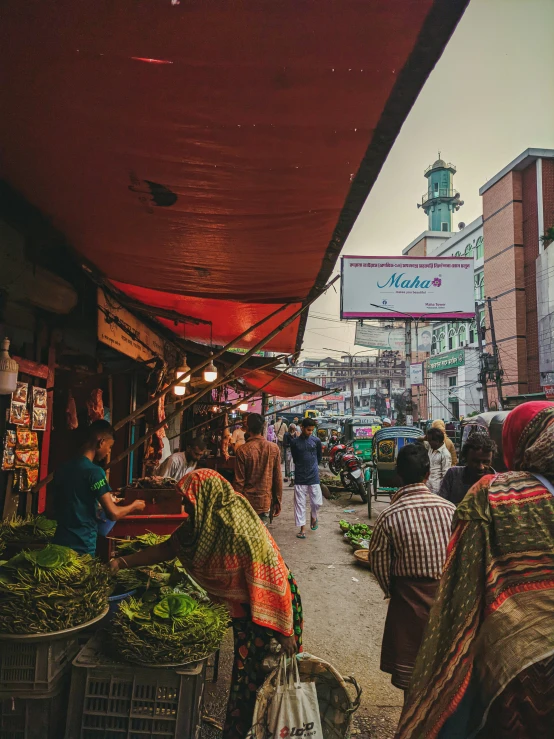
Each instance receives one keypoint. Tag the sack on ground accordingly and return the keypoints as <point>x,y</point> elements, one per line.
<point>294,708</point>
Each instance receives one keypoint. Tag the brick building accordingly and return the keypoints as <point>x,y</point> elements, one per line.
<point>518,206</point>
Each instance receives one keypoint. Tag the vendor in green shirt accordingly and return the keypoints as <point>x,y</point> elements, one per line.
<point>80,486</point>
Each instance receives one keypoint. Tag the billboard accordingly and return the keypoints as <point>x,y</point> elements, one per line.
<point>435,288</point>
<point>416,374</point>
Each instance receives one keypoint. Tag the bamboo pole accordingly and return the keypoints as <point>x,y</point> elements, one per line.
<point>210,387</point>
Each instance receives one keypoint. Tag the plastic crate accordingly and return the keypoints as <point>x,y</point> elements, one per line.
<point>114,700</point>
<point>35,715</point>
<point>27,665</point>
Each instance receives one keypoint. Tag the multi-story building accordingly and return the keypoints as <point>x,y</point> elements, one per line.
<point>451,374</point>
<point>518,209</point>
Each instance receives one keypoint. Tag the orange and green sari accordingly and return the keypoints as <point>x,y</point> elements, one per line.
<point>485,669</point>
<point>231,554</point>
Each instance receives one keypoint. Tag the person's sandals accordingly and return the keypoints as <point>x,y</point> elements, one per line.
<point>301,535</point>
<point>314,527</point>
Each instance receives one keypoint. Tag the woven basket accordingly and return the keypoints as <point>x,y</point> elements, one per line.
<point>335,704</point>
<point>362,557</point>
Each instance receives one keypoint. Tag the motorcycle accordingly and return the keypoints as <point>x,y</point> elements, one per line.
<point>335,454</point>
<point>343,462</point>
<point>352,475</point>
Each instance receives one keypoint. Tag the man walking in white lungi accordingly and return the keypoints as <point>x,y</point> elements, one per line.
<point>306,453</point>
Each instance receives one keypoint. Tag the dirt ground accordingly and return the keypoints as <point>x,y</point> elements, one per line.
<point>344,614</point>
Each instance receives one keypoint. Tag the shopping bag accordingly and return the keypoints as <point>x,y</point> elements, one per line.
<point>294,708</point>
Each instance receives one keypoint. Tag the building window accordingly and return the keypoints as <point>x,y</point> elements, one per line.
<point>479,248</point>
<point>482,317</point>
<point>444,226</point>
<point>480,286</point>
<point>472,332</point>
<point>442,341</point>
<point>436,187</point>
<point>468,251</point>
<point>452,338</point>
<point>452,380</point>
<point>462,335</point>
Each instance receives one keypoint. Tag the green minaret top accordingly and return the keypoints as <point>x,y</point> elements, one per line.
<point>441,199</point>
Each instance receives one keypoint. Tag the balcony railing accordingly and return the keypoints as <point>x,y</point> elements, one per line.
<point>432,166</point>
<point>442,192</point>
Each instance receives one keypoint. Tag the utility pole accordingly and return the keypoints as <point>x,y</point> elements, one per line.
<point>352,384</point>
<point>497,372</point>
<point>482,367</point>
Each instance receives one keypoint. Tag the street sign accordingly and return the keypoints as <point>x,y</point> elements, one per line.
<point>416,374</point>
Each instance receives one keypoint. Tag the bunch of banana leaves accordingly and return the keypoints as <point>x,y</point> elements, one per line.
<point>32,531</point>
<point>167,627</point>
<point>51,589</point>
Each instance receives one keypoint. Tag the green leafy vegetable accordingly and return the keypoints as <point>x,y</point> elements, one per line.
<point>175,606</point>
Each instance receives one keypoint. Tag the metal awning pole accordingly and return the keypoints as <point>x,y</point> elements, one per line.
<point>198,367</point>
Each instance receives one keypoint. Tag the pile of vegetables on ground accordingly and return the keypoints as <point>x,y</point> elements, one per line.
<point>167,627</point>
<point>357,534</point>
<point>50,589</point>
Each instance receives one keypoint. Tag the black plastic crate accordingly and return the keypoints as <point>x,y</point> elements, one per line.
<point>114,700</point>
<point>27,665</point>
<point>35,715</point>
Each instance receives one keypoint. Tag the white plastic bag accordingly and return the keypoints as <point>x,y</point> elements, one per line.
<point>294,709</point>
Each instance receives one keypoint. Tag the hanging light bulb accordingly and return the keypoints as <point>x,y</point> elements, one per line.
<point>8,370</point>
<point>215,409</point>
<point>184,373</point>
<point>210,372</point>
<point>243,407</point>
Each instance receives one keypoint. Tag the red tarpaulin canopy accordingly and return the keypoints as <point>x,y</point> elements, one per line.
<point>210,156</point>
<point>285,385</point>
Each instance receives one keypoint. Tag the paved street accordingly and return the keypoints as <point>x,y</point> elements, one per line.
<point>343,608</point>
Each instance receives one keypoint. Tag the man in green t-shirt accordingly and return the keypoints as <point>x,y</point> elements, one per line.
<point>80,485</point>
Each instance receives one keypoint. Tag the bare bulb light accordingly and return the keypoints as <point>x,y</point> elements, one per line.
<point>210,372</point>
<point>243,407</point>
<point>184,374</point>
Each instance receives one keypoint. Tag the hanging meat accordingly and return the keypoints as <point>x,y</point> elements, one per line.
<point>226,437</point>
<point>71,413</point>
<point>95,406</point>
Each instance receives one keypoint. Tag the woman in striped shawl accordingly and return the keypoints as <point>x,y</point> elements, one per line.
<point>486,664</point>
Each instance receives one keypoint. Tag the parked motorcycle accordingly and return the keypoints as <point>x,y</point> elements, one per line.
<point>343,462</point>
<point>352,476</point>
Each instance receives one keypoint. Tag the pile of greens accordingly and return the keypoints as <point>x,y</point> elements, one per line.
<point>167,627</point>
<point>31,531</point>
<point>166,574</point>
<point>357,534</point>
<point>50,589</point>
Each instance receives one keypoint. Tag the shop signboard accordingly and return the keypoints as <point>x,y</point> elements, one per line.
<point>549,392</point>
<point>396,287</point>
<point>447,361</point>
<point>416,374</point>
<point>125,333</point>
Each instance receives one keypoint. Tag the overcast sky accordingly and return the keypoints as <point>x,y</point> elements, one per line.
<point>490,97</point>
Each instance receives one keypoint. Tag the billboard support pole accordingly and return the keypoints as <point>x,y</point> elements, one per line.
<point>482,368</point>
<point>408,352</point>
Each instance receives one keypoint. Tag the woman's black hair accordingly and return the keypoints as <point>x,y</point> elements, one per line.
<point>412,463</point>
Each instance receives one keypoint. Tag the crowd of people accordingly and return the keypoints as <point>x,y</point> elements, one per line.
<point>465,557</point>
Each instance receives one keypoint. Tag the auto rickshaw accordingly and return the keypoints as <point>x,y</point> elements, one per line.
<point>386,444</point>
<point>359,433</point>
<point>490,423</point>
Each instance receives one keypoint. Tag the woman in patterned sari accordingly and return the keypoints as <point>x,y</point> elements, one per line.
<point>486,665</point>
<point>229,552</point>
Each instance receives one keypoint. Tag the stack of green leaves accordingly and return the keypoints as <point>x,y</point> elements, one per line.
<point>51,589</point>
<point>167,628</point>
<point>31,531</point>
<point>165,574</point>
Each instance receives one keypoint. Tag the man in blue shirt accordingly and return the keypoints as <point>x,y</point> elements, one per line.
<point>80,486</point>
<point>306,453</point>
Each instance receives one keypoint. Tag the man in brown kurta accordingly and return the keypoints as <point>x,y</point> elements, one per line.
<point>258,473</point>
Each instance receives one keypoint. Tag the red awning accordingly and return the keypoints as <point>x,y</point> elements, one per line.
<point>211,156</point>
<point>286,386</point>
